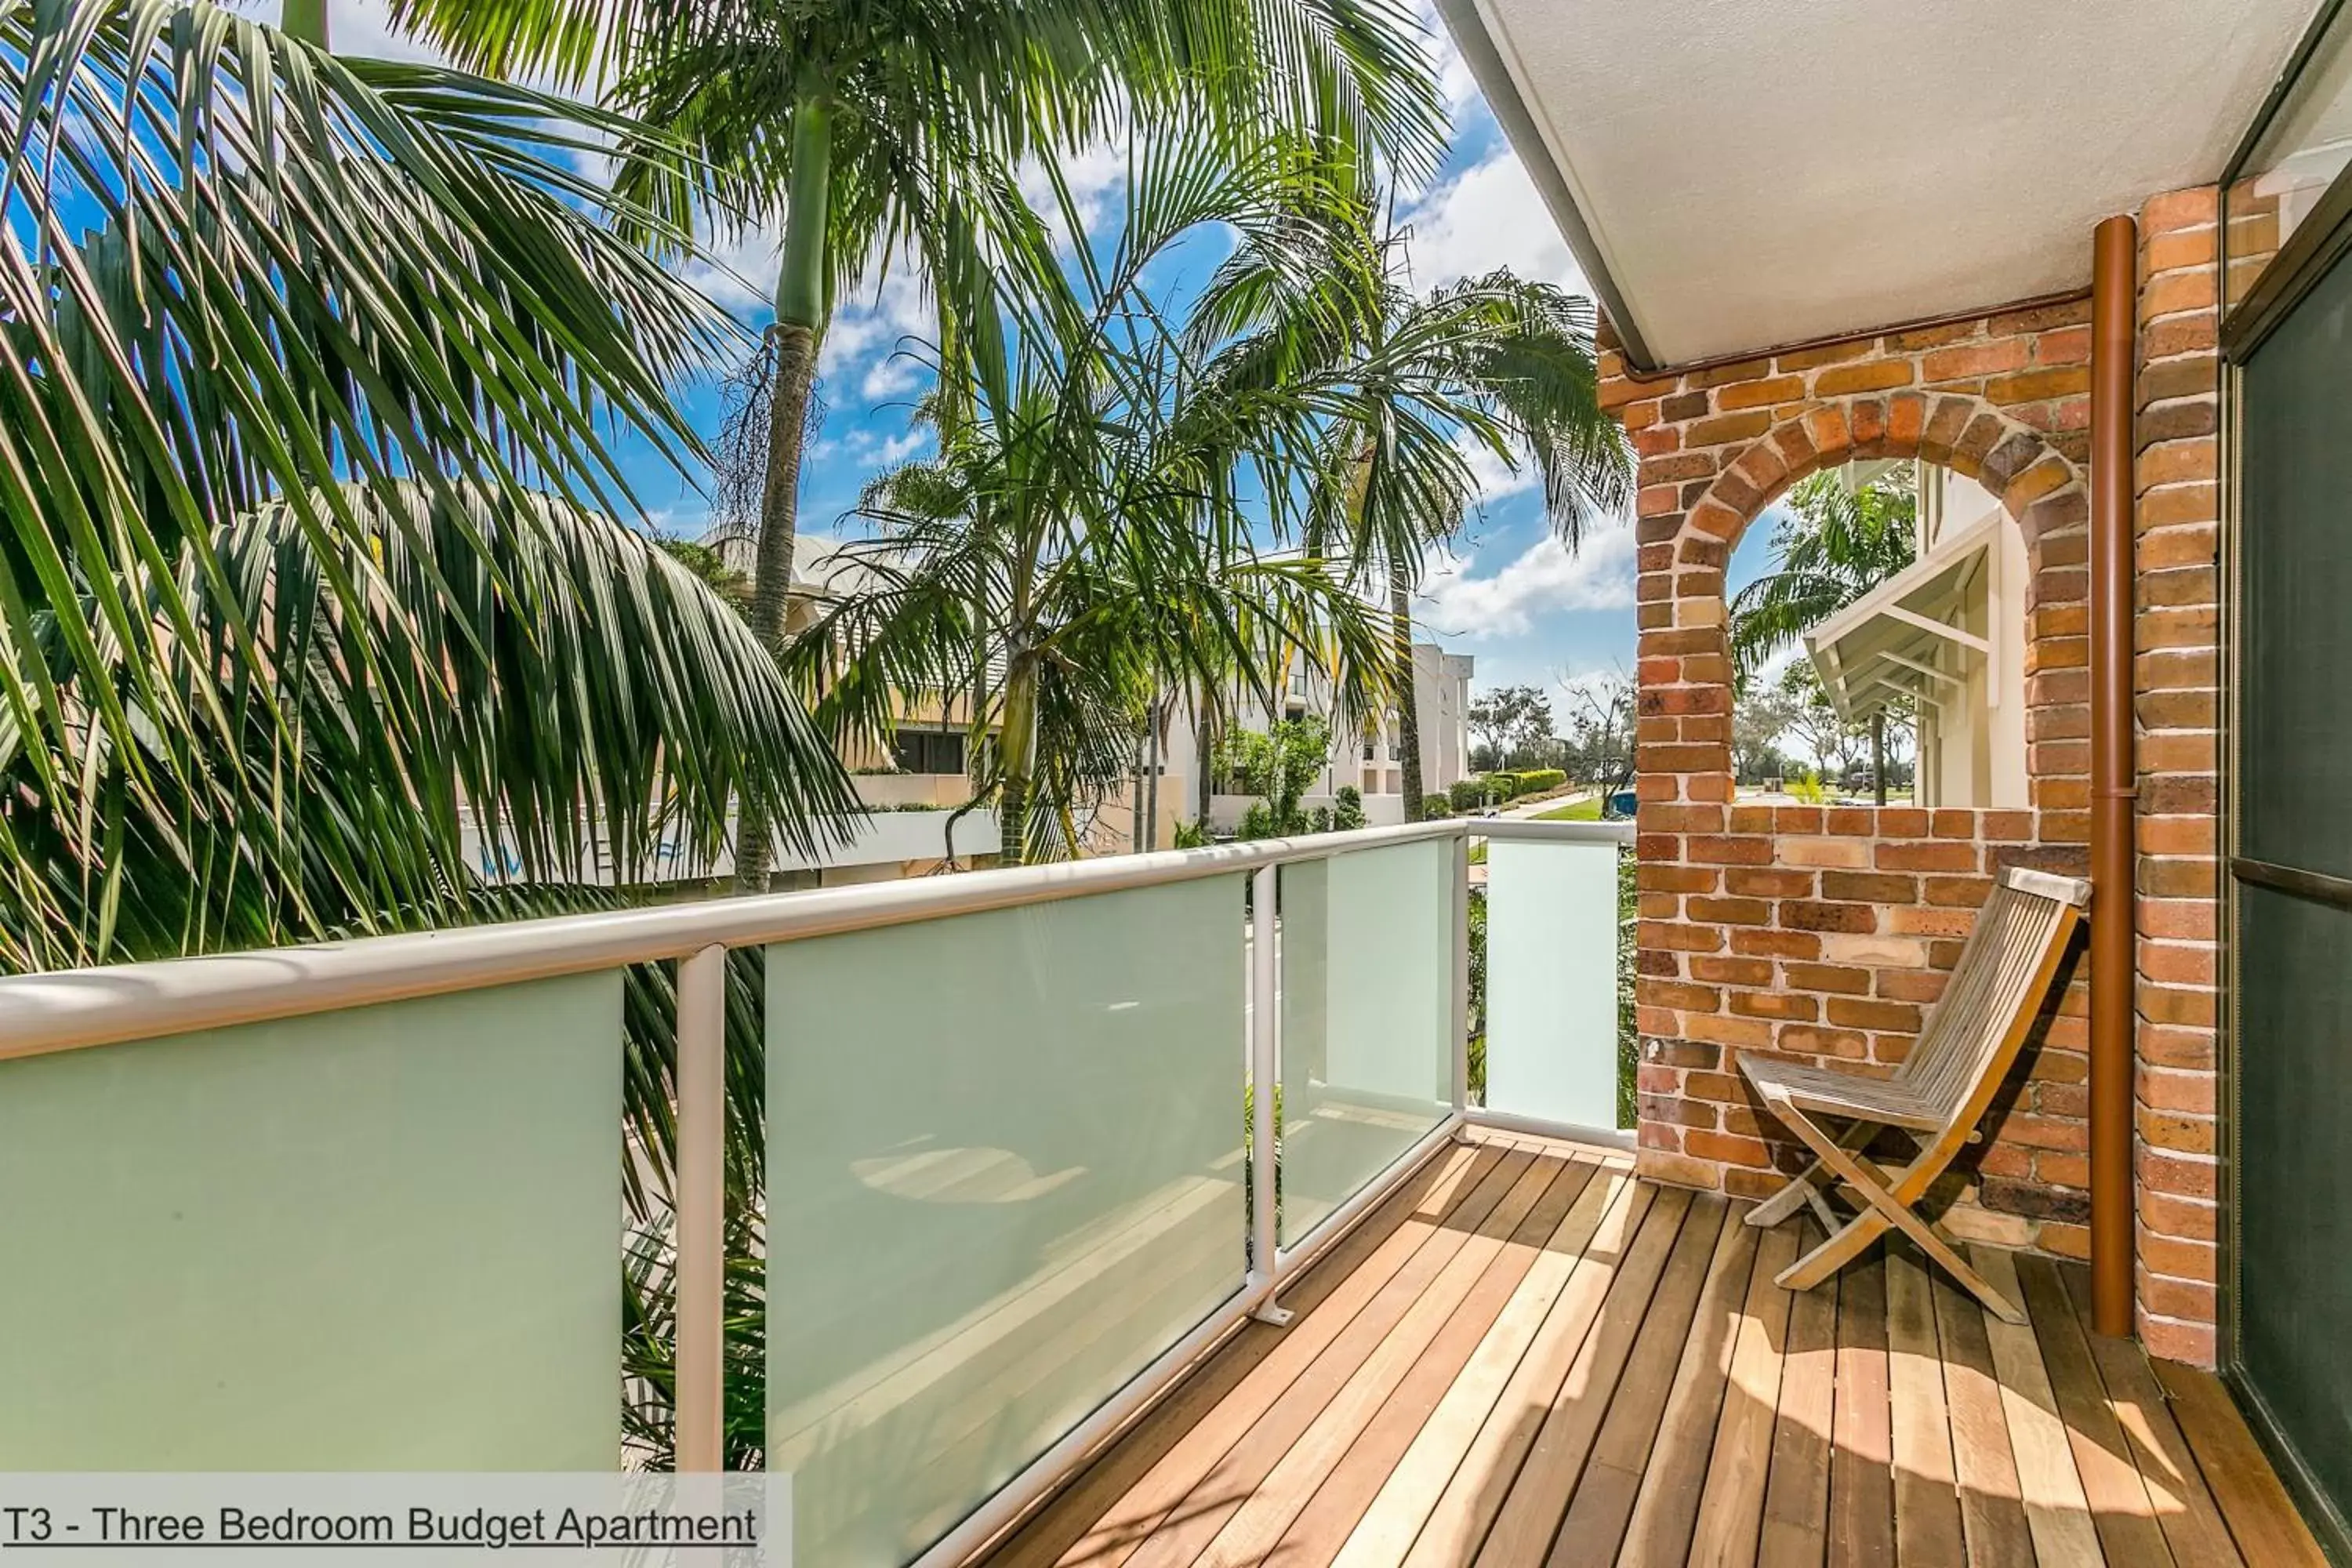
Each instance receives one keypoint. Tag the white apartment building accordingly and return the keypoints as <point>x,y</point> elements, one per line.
<point>1370,763</point>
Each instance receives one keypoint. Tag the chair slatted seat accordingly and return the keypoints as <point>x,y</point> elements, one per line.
<point>1969,1041</point>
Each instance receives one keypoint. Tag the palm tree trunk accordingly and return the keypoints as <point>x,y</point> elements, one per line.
<point>1017,741</point>
<point>800,323</point>
<point>1204,745</point>
<point>1408,714</point>
<point>1151,777</point>
<point>306,20</point>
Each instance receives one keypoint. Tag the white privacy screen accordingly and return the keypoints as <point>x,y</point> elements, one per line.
<point>1551,981</point>
<point>1005,1174</point>
<point>1367,961</point>
<point>381,1239</point>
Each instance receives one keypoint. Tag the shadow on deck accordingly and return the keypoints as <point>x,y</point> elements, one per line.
<point>1527,1356</point>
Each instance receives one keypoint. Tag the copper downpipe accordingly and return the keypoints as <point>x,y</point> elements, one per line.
<point>2114,785</point>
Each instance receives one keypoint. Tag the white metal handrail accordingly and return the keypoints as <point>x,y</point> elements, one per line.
<point>65,1011</point>
<point>69,1009</point>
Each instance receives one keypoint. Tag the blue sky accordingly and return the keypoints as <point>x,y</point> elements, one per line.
<point>1510,596</point>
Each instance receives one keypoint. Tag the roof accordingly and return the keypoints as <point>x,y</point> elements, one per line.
<point>1736,175</point>
<point>820,564</point>
<point>1888,644</point>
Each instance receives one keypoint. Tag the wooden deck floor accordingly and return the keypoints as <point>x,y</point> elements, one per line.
<point>1528,1357</point>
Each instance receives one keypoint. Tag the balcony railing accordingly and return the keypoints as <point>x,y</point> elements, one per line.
<point>354,1206</point>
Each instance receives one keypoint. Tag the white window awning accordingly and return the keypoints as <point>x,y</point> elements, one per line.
<point>1904,638</point>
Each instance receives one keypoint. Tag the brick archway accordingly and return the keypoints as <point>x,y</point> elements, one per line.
<point>1684,670</point>
<point>1821,932</point>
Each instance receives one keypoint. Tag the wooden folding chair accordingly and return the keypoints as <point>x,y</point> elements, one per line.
<point>1970,1039</point>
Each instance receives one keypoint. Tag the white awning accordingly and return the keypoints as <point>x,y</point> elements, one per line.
<point>1903,638</point>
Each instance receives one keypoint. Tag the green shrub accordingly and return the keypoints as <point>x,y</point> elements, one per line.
<point>1258,822</point>
<point>1466,794</point>
<point>1503,787</point>
<point>1349,815</point>
<point>1191,835</point>
<point>1433,810</point>
<point>1536,780</point>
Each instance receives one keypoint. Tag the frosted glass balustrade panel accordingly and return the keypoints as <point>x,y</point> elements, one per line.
<point>1551,981</point>
<point>1004,1174</point>
<point>1367,988</point>
<point>381,1239</point>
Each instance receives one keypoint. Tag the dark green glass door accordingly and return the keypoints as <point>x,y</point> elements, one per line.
<point>2293,868</point>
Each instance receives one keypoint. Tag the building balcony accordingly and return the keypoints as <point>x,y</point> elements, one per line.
<point>1026,1294</point>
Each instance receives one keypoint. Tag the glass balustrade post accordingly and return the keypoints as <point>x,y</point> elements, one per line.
<point>1459,1026</point>
<point>701,1400</point>
<point>1265,1076</point>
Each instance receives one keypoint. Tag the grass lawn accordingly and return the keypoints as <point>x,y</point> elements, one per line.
<point>1587,810</point>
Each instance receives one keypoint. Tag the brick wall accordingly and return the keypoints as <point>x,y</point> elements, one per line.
<point>1820,934</point>
<point>2177,673</point>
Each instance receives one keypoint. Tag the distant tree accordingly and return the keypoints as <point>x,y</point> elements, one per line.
<point>732,586</point>
<point>1601,728</point>
<point>1761,717</point>
<point>1833,741</point>
<point>1514,726</point>
<point>1277,765</point>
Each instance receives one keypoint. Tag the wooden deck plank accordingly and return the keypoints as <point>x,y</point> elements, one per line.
<point>2192,1522</point>
<point>1527,1356</point>
<point>2261,1519</point>
<point>2120,1510</point>
<point>1731,1505</point>
<point>1248,1532</point>
<point>1795,1533</point>
<point>1665,1287</point>
<point>2056,1510</point>
<point>1992,1510</point>
<point>1665,1445</point>
<point>1331,1516</point>
<point>1574,1268</point>
<point>1928,1532</point>
<point>1862,1485</point>
<point>1376,1295</point>
<point>1504,1503</point>
<point>1323,1300</point>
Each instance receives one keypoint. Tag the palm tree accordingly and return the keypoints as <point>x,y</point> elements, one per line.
<point>1418,382</point>
<point>1082,543</point>
<point>1836,542</point>
<point>309,549</point>
<point>892,129</point>
<point>308,362</point>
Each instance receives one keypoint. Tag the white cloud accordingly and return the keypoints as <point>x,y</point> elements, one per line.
<point>1542,579</point>
<point>1453,78</point>
<point>1488,216</point>
<point>361,28</point>
<point>886,451</point>
<point>739,272</point>
<point>1494,477</point>
<point>1089,175</point>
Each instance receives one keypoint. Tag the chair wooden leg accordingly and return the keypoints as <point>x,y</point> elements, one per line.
<point>1885,1209</point>
<point>1792,1198</point>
